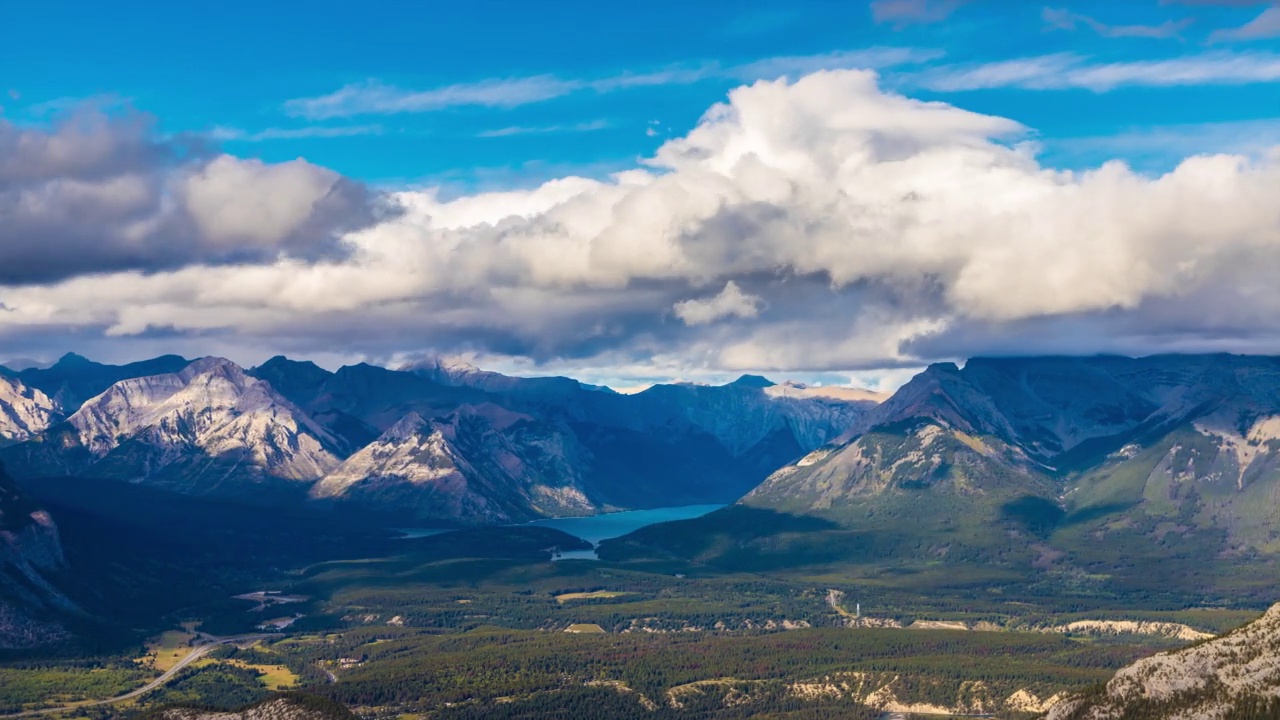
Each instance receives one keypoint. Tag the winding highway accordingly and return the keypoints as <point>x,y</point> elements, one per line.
<point>203,647</point>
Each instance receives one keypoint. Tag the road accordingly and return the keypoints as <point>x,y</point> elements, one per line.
<point>204,646</point>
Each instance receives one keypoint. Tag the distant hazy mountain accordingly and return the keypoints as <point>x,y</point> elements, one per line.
<point>1234,676</point>
<point>24,411</point>
<point>208,428</point>
<point>477,464</point>
<point>676,443</point>
<point>30,558</point>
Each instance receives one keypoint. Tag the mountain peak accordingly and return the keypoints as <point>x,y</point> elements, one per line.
<point>404,428</point>
<point>212,364</point>
<point>753,381</point>
<point>73,360</point>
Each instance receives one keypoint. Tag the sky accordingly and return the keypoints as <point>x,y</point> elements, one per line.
<point>836,192</point>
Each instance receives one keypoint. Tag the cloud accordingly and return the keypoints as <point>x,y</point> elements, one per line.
<point>908,12</point>
<point>1263,27</point>
<point>98,193</point>
<point>375,98</point>
<point>819,225</point>
<point>1067,71</point>
<point>1063,19</point>
<point>730,303</point>
<point>229,134</point>
<point>591,126</point>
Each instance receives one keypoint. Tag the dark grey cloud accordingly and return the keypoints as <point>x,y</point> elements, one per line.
<point>99,192</point>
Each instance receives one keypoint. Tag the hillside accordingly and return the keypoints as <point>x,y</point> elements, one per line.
<point>1233,677</point>
<point>287,707</point>
<point>31,558</point>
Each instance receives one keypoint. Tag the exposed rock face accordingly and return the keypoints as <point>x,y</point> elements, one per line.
<point>30,557</point>
<point>280,708</point>
<point>24,411</point>
<point>1236,672</point>
<point>191,431</point>
<point>478,464</point>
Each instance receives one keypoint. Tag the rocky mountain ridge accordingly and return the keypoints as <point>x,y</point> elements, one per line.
<point>207,424</point>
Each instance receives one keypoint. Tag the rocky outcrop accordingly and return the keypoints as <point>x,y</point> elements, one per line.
<point>289,707</point>
<point>1231,674</point>
<point>24,411</point>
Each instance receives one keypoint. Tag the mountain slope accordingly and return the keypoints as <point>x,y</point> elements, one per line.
<point>30,557</point>
<point>192,431</point>
<point>675,443</point>
<point>1236,676</point>
<point>24,411</point>
<point>478,464</point>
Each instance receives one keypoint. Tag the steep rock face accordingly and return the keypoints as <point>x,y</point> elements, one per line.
<point>190,431</point>
<point>478,464</point>
<point>24,411</point>
<point>30,557</point>
<point>1236,675</point>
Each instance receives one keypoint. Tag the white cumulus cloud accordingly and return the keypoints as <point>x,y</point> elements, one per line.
<point>729,303</point>
<point>879,231</point>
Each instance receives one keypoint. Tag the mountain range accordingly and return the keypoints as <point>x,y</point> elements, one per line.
<point>1078,468</point>
<point>1087,472</point>
<point>433,442</point>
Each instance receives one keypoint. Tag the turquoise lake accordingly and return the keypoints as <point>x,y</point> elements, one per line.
<point>595,528</point>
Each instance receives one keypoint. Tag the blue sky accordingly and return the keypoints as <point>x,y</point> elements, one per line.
<point>631,192</point>
<point>229,71</point>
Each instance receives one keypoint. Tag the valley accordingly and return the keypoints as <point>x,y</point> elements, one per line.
<point>457,544</point>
